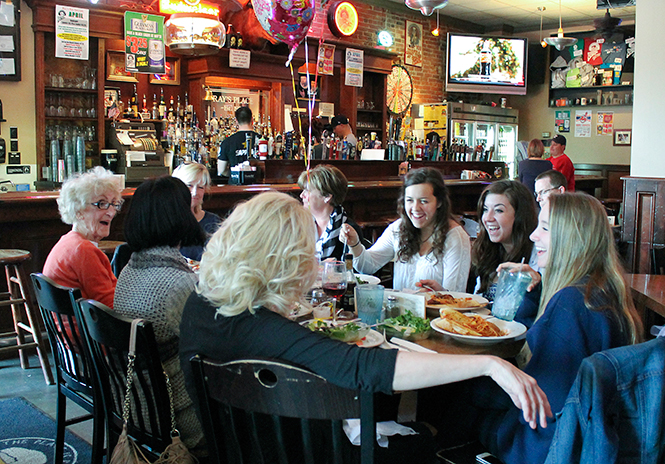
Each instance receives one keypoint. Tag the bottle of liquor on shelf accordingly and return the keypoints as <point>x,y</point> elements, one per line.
<point>171,110</point>
<point>277,147</point>
<point>162,105</point>
<point>231,39</point>
<point>239,41</point>
<point>134,103</point>
<point>155,111</point>
<point>144,109</point>
<point>179,112</point>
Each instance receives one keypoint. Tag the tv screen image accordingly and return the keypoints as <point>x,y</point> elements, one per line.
<point>486,64</point>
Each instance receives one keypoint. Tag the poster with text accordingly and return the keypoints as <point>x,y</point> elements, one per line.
<point>325,61</point>
<point>354,67</point>
<point>72,37</point>
<point>144,43</point>
<point>583,123</point>
<point>562,121</point>
<point>605,123</point>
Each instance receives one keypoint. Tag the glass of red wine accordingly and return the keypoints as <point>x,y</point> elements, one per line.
<point>334,281</point>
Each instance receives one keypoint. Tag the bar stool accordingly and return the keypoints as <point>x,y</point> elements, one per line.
<point>17,297</point>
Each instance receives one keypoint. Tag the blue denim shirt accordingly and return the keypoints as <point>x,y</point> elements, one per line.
<point>615,411</point>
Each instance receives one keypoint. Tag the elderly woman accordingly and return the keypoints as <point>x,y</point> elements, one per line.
<point>429,247</point>
<point>157,281</point>
<point>197,178</point>
<point>247,287</point>
<point>323,191</point>
<point>88,202</point>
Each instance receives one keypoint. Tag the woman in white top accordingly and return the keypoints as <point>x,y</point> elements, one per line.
<point>429,247</point>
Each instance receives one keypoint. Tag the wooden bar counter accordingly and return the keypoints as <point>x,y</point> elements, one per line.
<point>30,220</point>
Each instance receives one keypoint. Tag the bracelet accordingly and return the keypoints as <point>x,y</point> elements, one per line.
<point>353,246</point>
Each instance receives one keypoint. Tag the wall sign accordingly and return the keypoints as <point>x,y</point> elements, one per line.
<point>354,67</point>
<point>144,43</point>
<point>195,6</point>
<point>342,19</point>
<point>18,169</point>
<point>10,41</point>
<point>72,38</point>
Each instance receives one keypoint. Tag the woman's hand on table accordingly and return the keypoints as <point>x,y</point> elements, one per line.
<point>523,391</point>
<point>516,267</point>
<point>427,285</point>
<point>349,236</point>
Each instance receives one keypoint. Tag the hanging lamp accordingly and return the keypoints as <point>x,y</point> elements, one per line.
<point>560,42</point>
<point>436,31</point>
<point>194,34</point>
<point>542,42</point>
<point>426,7</point>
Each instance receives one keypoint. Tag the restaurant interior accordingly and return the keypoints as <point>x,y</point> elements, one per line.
<point>387,67</point>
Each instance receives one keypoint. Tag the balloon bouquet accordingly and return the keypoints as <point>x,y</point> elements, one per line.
<point>288,21</point>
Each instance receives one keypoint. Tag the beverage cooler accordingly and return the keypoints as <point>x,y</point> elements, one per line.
<point>483,133</point>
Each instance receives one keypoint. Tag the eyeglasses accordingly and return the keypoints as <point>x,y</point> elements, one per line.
<point>543,192</point>
<point>104,205</point>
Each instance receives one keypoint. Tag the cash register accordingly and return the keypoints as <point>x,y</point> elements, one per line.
<point>139,154</point>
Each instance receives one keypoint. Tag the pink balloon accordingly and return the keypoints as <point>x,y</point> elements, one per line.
<point>285,20</point>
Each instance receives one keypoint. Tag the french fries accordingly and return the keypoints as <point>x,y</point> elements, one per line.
<point>452,302</point>
<point>456,322</point>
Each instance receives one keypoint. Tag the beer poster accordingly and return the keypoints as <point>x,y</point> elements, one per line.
<point>72,37</point>
<point>144,43</point>
<point>562,121</point>
<point>413,45</point>
<point>355,60</point>
<point>583,123</point>
<point>605,123</point>
<point>325,61</point>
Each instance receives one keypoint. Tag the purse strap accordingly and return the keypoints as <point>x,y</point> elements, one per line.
<point>131,358</point>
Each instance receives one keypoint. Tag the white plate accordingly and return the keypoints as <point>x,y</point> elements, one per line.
<point>513,329</point>
<point>370,279</point>
<point>479,298</point>
<point>372,339</point>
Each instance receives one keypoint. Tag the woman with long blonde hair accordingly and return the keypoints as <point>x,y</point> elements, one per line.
<point>585,307</point>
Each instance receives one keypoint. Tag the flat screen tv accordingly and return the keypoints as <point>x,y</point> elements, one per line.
<point>486,64</point>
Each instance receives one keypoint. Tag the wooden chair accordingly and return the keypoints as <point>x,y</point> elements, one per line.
<point>74,370</point>
<point>256,411</point>
<point>107,336</point>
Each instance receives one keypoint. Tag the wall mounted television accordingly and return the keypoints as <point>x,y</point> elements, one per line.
<point>488,64</point>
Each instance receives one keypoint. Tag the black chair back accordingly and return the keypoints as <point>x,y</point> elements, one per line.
<point>74,369</point>
<point>658,260</point>
<point>107,336</point>
<point>120,258</point>
<point>260,411</point>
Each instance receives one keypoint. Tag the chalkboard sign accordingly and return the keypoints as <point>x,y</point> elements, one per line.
<point>10,40</point>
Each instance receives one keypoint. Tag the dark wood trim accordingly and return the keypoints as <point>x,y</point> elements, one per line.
<point>612,186</point>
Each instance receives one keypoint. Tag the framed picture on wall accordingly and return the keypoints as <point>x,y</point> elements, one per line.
<point>115,68</point>
<point>413,44</point>
<point>622,137</point>
<point>171,75</point>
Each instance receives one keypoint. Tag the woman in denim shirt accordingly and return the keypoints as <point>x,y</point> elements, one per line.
<point>585,308</point>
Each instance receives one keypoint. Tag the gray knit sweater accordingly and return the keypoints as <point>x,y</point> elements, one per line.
<point>154,285</point>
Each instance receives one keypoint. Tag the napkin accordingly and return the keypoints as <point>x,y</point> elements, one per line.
<point>383,431</point>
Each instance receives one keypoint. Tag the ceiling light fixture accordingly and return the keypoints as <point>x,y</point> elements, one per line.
<point>194,34</point>
<point>560,42</point>
<point>542,42</point>
<point>436,31</point>
<point>426,7</point>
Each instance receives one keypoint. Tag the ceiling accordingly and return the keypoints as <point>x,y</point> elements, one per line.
<point>523,15</point>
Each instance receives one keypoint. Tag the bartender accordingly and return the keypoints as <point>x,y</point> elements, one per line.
<point>340,125</point>
<point>234,150</point>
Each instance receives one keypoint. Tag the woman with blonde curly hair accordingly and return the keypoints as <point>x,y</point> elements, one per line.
<point>88,202</point>
<point>258,265</point>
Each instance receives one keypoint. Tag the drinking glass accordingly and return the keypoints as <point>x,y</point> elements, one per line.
<point>369,301</point>
<point>510,292</point>
<point>334,281</point>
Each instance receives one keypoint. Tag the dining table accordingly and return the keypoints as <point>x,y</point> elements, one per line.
<point>648,292</point>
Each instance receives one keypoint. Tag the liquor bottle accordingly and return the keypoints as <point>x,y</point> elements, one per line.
<point>239,41</point>
<point>179,109</point>
<point>188,114</point>
<point>155,112</point>
<point>486,60</point>
<point>134,103</point>
<point>145,105</point>
<point>263,148</point>
<point>162,105</point>
<point>231,38</point>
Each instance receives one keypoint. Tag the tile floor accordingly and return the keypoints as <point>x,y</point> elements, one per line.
<point>30,384</point>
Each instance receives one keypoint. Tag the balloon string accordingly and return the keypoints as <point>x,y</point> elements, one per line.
<point>295,98</point>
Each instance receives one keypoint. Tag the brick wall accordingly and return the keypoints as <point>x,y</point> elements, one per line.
<point>428,79</point>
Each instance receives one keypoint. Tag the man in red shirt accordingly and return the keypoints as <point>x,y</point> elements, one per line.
<point>561,162</point>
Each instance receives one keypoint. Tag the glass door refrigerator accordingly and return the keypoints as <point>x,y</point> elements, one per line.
<point>483,133</point>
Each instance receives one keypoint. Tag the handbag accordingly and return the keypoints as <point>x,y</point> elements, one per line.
<point>126,451</point>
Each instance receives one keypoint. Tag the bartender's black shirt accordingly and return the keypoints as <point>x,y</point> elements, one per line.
<point>234,150</point>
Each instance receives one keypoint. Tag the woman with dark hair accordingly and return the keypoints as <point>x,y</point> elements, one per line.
<point>508,216</point>
<point>429,247</point>
<point>530,168</point>
<point>156,282</point>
